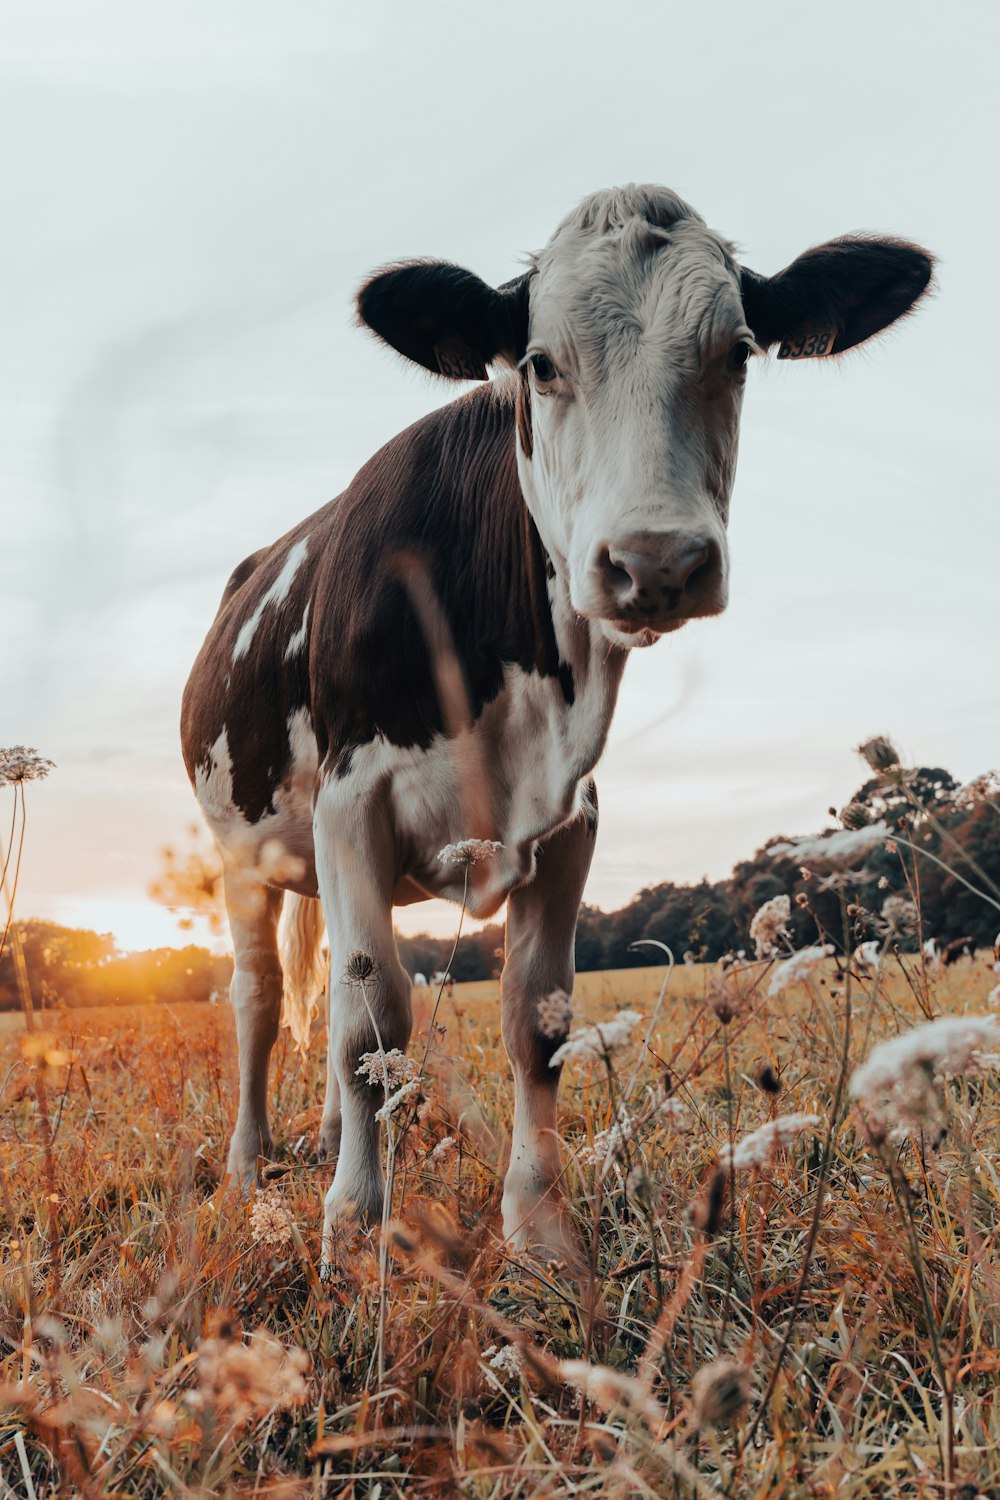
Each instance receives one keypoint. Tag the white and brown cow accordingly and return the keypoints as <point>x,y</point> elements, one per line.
<point>435,655</point>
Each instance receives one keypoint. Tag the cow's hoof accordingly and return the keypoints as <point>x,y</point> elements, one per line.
<point>246,1163</point>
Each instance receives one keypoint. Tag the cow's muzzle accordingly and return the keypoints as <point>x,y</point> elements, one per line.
<point>657,580</point>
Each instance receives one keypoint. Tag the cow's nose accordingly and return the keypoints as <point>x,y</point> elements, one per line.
<point>659,574</point>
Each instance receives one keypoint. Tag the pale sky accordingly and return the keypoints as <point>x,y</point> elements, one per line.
<point>192,193</point>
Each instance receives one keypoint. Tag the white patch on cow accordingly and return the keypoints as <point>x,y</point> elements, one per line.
<point>297,641</point>
<point>213,783</point>
<point>276,595</point>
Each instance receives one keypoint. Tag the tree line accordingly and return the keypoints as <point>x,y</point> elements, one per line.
<point>946,840</point>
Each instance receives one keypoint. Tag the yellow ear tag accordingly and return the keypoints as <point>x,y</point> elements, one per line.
<point>458,361</point>
<point>811,343</point>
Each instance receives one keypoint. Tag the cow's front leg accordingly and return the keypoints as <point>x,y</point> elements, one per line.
<point>369,989</point>
<point>539,960</point>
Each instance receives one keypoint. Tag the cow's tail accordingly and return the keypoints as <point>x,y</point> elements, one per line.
<point>303,964</point>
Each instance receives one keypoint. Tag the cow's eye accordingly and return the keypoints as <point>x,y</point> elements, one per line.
<point>543,368</point>
<point>738,355</point>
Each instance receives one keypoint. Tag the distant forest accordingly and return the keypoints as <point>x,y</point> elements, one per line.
<point>68,968</point>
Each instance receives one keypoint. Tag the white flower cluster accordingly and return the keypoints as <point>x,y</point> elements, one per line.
<point>469,851</point>
<point>757,1148</point>
<point>555,1014</point>
<point>770,925</point>
<point>397,1069</point>
<point>899,1085</point>
<point>444,1150</point>
<point>19,763</point>
<point>270,1225</point>
<point>797,968</point>
<point>399,1097</point>
<point>834,850</point>
<point>506,1360</point>
<point>594,1043</point>
<point>609,1143</point>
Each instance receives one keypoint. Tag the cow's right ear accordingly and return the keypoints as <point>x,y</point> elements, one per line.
<point>446,319</point>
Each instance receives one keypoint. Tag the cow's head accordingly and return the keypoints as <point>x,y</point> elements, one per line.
<point>631,335</point>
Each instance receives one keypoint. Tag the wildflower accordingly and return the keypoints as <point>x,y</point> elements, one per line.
<point>899,1085</point>
<point>855,815</point>
<point>770,925</point>
<point>724,1001</point>
<point>883,882</point>
<point>359,966</point>
<point>444,1150</point>
<point>983,788</point>
<point>719,1393</point>
<point>395,1100</point>
<point>834,849</point>
<point>797,968</point>
<point>757,1148</point>
<point>611,1142</point>
<point>506,1360</point>
<point>899,917</point>
<point>688,958</point>
<point>396,1070</point>
<point>21,763</point>
<point>469,851</point>
<point>597,1042</point>
<point>555,1014</point>
<point>609,1389</point>
<point>239,1381</point>
<point>880,753</point>
<point>270,1224</point>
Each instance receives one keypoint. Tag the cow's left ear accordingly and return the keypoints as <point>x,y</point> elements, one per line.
<point>835,296</point>
<point>446,319</point>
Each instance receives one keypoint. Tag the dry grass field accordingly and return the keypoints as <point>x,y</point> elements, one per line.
<point>159,1336</point>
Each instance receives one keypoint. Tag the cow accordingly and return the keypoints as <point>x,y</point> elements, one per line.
<point>868,955</point>
<point>963,947</point>
<point>430,662</point>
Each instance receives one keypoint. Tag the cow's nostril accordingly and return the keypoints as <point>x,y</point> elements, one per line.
<point>616,577</point>
<point>700,573</point>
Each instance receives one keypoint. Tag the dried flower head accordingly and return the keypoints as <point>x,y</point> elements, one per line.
<point>359,966</point>
<point>609,1389</point>
<point>270,1224</point>
<point>505,1359</point>
<point>706,1211</point>
<point>724,1000</point>
<point>855,815</point>
<point>396,1070</point>
<point>880,753</point>
<point>984,788</point>
<point>406,1091</point>
<point>833,850</point>
<point>240,1381</point>
<point>770,925</point>
<point>555,1014</point>
<point>757,1148</point>
<point>610,1143</point>
<point>469,851</point>
<point>595,1043</point>
<point>720,1393</point>
<point>767,1080</point>
<point>898,1087</point>
<point>444,1150</point>
<point>20,763</point>
<point>798,968</point>
<point>899,917</point>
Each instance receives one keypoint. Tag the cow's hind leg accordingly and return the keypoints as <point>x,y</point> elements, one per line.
<point>330,1125</point>
<point>539,960</point>
<point>255,993</point>
<point>369,988</point>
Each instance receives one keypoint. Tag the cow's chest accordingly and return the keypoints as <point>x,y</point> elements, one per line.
<point>513,777</point>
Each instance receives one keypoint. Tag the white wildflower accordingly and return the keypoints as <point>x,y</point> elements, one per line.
<point>757,1148</point>
<point>611,1142</point>
<point>983,788</point>
<point>834,849</point>
<point>797,968</point>
<point>469,851</point>
<point>397,1070</point>
<point>506,1360</point>
<point>239,1381</point>
<point>270,1224</point>
<point>395,1100</point>
<point>444,1150</point>
<point>555,1014</point>
<point>770,924</point>
<point>595,1043</point>
<point>20,763</point>
<point>899,916</point>
<point>899,1083</point>
<point>609,1389</point>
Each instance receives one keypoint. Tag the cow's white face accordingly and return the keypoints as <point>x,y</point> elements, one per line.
<point>630,335</point>
<point>634,369</point>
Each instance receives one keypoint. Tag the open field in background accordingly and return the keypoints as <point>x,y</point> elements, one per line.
<point>122,1260</point>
